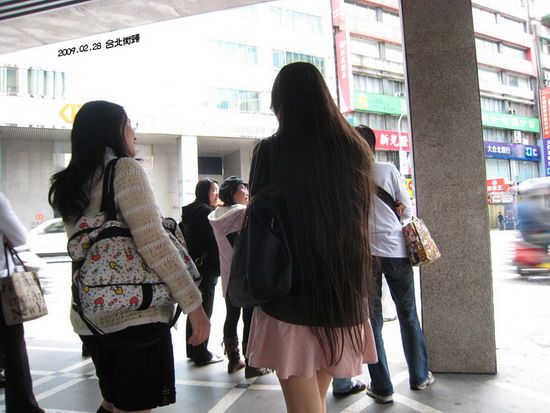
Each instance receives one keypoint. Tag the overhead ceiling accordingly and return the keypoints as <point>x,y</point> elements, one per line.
<point>32,23</point>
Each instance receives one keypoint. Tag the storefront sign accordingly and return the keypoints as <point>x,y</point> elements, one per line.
<point>344,71</point>
<point>505,121</point>
<point>389,140</point>
<point>545,111</point>
<point>515,151</point>
<point>68,112</point>
<point>500,198</point>
<point>373,102</point>
<point>497,185</point>
<point>546,155</point>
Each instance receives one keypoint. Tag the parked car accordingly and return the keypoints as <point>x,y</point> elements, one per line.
<point>48,239</point>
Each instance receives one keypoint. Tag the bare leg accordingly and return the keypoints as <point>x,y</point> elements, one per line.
<point>305,395</point>
<point>323,382</point>
<point>135,411</point>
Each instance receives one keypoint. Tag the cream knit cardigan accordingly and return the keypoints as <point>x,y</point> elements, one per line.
<point>136,207</point>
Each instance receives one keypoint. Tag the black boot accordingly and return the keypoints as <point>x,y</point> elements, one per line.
<point>231,346</point>
<point>250,371</point>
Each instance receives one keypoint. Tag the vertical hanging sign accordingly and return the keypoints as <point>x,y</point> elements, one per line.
<point>545,112</point>
<point>344,71</point>
<point>545,118</point>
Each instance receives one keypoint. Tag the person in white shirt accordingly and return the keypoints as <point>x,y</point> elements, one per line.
<point>19,395</point>
<point>389,253</point>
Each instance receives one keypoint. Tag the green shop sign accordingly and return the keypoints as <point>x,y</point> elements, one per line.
<point>505,121</point>
<point>373,102</point>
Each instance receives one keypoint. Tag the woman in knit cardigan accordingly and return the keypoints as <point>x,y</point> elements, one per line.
<point>130,379</point>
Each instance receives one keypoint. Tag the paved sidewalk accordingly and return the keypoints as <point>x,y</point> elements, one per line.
<point>65,382</point>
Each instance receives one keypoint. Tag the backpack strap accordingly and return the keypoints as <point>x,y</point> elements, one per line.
<point>108,194</point>
<point>387,199</point>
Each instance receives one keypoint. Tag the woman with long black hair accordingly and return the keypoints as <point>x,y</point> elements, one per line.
<point>133,378</point>
<point>318,171</point>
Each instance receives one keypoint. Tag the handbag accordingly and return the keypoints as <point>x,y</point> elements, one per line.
<point>261,266</point>
<point>421,248</point>
<point>21,294</point>
<point>109,274</point>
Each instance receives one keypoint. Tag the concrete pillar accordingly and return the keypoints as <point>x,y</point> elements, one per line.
<point>189,168</point>
<point>449,171</point>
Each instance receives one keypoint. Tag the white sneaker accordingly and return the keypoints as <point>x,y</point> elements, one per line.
<point>378,398</point>
<point>428,382</point>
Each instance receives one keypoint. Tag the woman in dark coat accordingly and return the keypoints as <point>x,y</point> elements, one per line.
<point>204,251</point>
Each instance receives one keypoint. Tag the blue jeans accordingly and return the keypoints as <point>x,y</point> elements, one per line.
<point>342,385</point>
<point>399,275</point>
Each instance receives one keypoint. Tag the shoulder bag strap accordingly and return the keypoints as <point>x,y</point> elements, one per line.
<point>108,193</point>
<point>387,199</point>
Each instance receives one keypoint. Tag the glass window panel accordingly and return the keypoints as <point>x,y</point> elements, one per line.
<point>365,47</point>
<point>498,168</point>
<point>513,51</point>
<point>490,76</point>
<point>512,25</point>
<point>525,170</point>
<point>394,53</point>
<point>11,80</point>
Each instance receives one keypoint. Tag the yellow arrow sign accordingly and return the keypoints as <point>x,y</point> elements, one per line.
<point>68,112</point>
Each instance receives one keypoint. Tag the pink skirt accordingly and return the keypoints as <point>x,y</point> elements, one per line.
<point>293,350</point>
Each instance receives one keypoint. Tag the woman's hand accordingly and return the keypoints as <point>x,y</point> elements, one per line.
<point>201,326</point>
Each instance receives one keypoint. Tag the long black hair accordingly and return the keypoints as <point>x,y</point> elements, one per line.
<point>322,169</point>
<point>98,125</point>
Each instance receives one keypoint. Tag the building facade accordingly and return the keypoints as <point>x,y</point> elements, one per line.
<point>372,90</point>
<point>198,89</point>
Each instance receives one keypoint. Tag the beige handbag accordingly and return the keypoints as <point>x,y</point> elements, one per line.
<point>21,294</point>
<point>421,247</point>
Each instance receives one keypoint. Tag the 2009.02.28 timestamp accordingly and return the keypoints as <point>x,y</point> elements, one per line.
<point>83,48</point>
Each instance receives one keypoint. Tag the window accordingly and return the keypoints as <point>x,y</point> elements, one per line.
<point>492,105</point>
<point>296,21</point>
<point>393,87</point>
<point>486,45</point>
<point>512,25</point>
<point>516,81</point>
<point>361,12</point>
<point>367,84</point>
<point>487,75</point>
<point>233,53</point>
<point>36,84</point>
<point>545,46</point>
<point>525,170</point>
<point>380,122</point>
<point>512,51</point>
<point>498,168</point>
<point>497,135</point>
<point>483,17</point>
<point>379,85</point>
<point>391,19</point>
<point>281,58</point>
<point>521,109</point>
<point>388,156</point>
<point>59,84</point>
<point>9,80</point>
<point>232,99</point>
<point>393,53</point>
<point>365,47</point>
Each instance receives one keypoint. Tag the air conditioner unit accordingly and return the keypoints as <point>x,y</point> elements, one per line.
<point>517,136</point>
